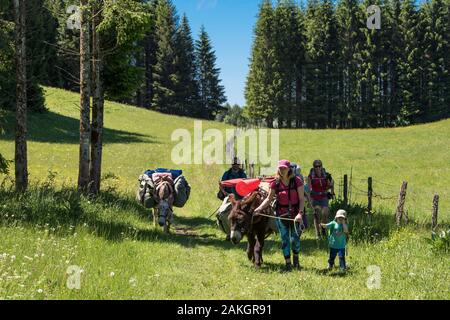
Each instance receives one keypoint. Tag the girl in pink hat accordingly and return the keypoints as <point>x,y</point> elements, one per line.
<point>288,190</point>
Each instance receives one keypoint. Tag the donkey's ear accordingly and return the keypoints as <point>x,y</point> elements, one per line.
<point>250,198</point>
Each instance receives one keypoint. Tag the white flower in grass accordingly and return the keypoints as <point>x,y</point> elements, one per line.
<point>13,257</point>
<point>40,291</point>
<point>112,274</point>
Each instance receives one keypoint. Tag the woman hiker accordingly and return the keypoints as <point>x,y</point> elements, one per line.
<point>319,183</point>
<point>289,192</point>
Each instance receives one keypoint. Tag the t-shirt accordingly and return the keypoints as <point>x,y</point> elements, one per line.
<point>283,196</point>
<point>337,238</point>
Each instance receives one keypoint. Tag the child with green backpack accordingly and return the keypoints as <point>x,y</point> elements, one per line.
<point>337,239</point>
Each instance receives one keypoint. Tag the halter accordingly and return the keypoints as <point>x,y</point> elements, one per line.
<point>260,193</point>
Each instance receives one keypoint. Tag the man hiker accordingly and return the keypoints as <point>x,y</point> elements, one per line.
<point>235,172</point>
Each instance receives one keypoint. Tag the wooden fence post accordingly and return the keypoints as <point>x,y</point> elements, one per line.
<point>369,195</point>
<point>401,203</point>
<point>434,217</point>
<point>346,189</point>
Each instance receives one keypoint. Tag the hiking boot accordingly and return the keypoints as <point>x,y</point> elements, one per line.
<point>287,268</point>
<point>296,263</point>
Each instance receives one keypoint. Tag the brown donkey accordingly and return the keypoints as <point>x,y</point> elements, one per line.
<point>243,222</point>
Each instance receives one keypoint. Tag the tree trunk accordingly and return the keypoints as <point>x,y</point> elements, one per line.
<point>83,174</point>
<point>97,107</point>
<point>21,165</point>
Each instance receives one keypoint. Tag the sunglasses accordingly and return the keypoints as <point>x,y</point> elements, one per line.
<point>317,166</point>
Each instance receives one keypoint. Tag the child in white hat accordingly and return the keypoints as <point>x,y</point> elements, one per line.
<point>337,240</point>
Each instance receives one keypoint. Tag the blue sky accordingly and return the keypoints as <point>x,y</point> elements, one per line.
<point>229,24</point>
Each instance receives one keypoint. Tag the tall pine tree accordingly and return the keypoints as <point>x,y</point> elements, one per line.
<point>408,86</point>
<point>263,81</point>
<point>348,18</point>
<point>187,99</point>
<point>211,92</point>
<point>435,17</point>
<point>165,80</point>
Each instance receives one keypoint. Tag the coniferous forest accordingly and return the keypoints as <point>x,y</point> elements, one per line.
<point>150,58</point>
<point>314,65</point>
<point>320,66</point>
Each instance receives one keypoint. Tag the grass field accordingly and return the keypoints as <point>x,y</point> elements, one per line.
<point>122,256</point>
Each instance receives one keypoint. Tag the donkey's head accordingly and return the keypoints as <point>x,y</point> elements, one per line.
<point>240,217</point>
<point>165,194</point>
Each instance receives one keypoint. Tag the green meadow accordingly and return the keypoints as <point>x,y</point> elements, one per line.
<point>120,255</point>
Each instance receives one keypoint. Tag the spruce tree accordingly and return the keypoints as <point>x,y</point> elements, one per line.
<point>321,54</point>
<point>211,92</point>
<point>284,33</point>
<point>187,100</point>
<point>435,60</point>
<point>348,16</point>
<point>371,59</point>
<point>409,61</point>
<point>147,59</point>
<point>165,79</point>
<point>7,82</point>
<point>299,67</point>
<point>263,81</point>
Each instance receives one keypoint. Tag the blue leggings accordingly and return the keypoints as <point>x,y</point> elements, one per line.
<point>333,254</point>
<point>289,237</point>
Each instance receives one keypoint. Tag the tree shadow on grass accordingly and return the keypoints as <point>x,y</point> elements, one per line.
<point>52,127</point>
<point>118,232</point>
<point>146,215</point>
<point>64,210</point>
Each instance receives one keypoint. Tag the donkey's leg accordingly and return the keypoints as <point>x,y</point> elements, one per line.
<point>167,227</point>
<point>251,247</point>
<point>169,219</point>
<point>155,216</point>
<point>259,248</point>
<point>167,224</point>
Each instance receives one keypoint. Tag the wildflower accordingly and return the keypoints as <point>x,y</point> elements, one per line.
<point>40,290</point>
<point>112,274</point>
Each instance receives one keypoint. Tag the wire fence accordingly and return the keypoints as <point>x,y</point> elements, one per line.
<point>369,188</point>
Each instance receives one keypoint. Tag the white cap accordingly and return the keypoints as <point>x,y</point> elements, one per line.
<point>341,214</point>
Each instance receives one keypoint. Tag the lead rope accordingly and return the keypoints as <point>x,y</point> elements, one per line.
<point>280,218</point>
